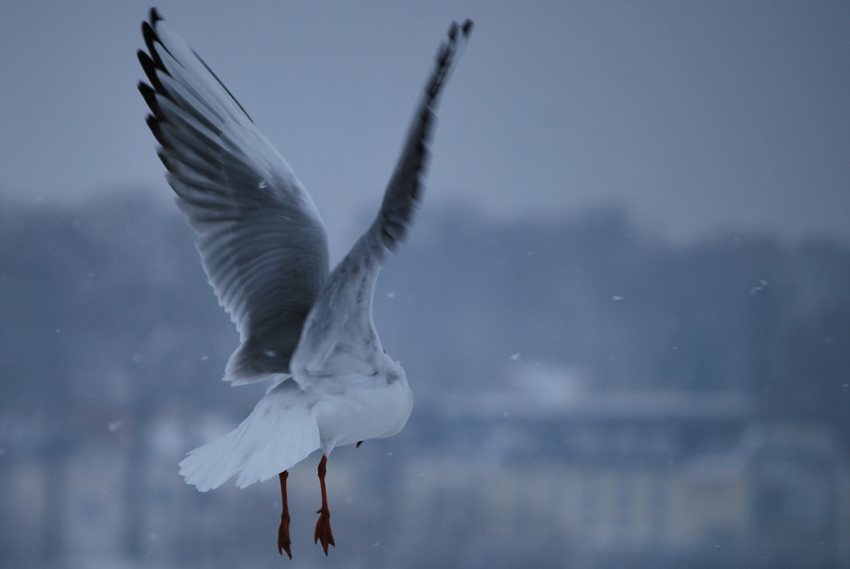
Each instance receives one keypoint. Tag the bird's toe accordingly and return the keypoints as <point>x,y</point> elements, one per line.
<point>283,541</point>
<point>323,531</point>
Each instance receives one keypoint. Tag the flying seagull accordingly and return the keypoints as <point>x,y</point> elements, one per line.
<point>264,249</point>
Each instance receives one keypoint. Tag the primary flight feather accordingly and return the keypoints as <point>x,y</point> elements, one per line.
<point>264,249</point>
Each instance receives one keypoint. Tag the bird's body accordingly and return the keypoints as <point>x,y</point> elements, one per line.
<point>342,388</point>
<point>264,248</point>
<point>291,422</point>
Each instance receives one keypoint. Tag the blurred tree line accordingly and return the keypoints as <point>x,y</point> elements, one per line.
<point>106,319</point>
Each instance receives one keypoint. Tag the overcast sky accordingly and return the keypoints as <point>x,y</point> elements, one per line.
<point>697,116</point>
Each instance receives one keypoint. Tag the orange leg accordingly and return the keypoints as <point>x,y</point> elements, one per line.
<point>283,540</point>
<point>323,526</point>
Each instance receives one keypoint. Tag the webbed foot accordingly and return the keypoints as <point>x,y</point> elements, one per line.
<point>323,530</point>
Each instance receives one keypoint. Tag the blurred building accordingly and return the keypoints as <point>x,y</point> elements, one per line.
<point>651,478</point>
<point>540,472</point>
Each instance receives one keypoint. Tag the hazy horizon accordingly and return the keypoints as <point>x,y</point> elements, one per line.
<point>696,118</point>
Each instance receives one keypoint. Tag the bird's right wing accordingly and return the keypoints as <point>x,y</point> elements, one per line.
<point>261,239</point>
<point>339,333</point>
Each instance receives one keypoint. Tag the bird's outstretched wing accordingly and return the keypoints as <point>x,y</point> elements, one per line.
<point>339,334</point>
<point>262,242</point>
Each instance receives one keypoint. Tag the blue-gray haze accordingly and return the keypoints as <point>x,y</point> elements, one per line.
<point>112,345</point>
<point>694,115</point>
<point>623,307</point>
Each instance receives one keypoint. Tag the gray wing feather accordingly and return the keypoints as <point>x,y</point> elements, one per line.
<point>262,242</point>
<point>339,332</point>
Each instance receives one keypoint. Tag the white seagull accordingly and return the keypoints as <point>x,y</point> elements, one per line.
<point>264,249</point>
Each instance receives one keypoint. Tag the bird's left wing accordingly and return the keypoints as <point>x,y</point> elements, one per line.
<point>261,239</point>
<point>339,334</point>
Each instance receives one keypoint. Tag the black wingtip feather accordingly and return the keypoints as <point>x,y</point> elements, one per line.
<point>467,27</point>
<point>166,162</point>
<point>152,62</point>
<point>150,98</point>
<point>151,38</point>
<point>153,124</point>
<point>150,70</point>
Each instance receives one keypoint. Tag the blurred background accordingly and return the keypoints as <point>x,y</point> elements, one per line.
<point>624,308</point>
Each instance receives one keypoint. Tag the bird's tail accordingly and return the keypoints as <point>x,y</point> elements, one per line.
<point>278,433</point>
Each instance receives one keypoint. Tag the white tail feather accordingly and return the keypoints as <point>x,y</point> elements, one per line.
<point>279,433</point>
